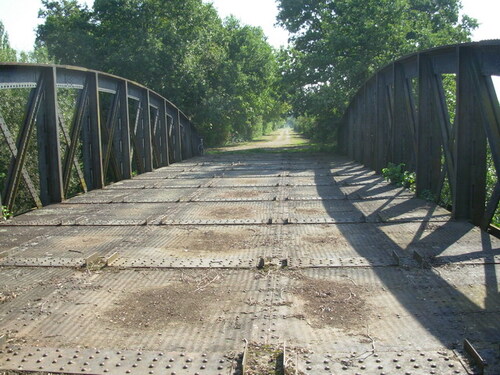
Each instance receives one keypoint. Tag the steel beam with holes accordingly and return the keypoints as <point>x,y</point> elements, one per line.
<point>141,130</point>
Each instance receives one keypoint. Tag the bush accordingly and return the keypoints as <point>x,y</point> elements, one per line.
<point>396,174</point>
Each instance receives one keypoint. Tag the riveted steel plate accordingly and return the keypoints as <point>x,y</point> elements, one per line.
<point>162,309</point>
<point>401,210</point>
<point>327,211</point>
<point>308,181</point>
<point>335,261</point>
<point>326,192</point>
<point>125,214</point>
<point>222,194</point>
<point>66,246</point>
<point>131,184</point>
<point>338,245</point>
<point>361,179</point>
<point>46,261</point>
<point>351,169</point>
<point>117,362</point>
<point>99,196</point>
<point>317,172</point>
<point>223,213</point>
<point>377,191</point>
<point>344,290</point>
<point>444,361</point>
<point>160,195</point>
<point>15,236</point>
<point>183,183</point>
<point>56,214</point>
<point>250,182</point>
<point>183,262</point>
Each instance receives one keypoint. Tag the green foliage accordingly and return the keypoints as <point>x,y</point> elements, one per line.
<point>6,214</point>
<point>396,174</point>
<point>222,73</point>
<point>338,44</point>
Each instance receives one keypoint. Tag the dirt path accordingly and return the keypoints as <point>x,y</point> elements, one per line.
<point>284,138</point>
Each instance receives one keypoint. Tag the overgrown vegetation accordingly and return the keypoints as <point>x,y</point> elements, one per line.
<point>396,174</point>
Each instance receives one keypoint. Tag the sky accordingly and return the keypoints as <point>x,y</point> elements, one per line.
<point>20,18</point>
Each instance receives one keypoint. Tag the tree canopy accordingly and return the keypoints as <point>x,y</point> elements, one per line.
<point>221,73</point>
<point>338,44</point>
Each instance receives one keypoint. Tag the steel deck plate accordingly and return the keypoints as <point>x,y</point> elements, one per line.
<point>353,274</point>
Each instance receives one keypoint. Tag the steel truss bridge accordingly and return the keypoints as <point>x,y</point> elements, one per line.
<point>146,257</point>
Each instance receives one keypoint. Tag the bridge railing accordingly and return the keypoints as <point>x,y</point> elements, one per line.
<point>81,129</point>
<point>438,113</point>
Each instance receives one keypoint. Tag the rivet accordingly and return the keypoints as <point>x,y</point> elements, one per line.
<point>118,364</point>
<point>171,360</point>
<point>151,365</point>
<point>155,359</point>
<point>128,371</point>
<point>134,365</point>
<point>203,367</point>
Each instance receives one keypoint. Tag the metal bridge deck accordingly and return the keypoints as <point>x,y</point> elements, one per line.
<point>174,271</point>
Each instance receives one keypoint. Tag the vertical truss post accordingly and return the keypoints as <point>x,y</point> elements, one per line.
<point>428,132</point>
<point>398,114</point>
<point>91,137</point>
<point>121,142</point>
<point>178,135</point>
<point>146,133</point>
<point>382,123</point>
<point>49,157</point>
<point>470,140</point>
<point>163,134</point>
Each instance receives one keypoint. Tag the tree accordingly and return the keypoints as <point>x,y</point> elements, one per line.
<point>221,74</point>
<point>338,44</point>
<point>7,54</point>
